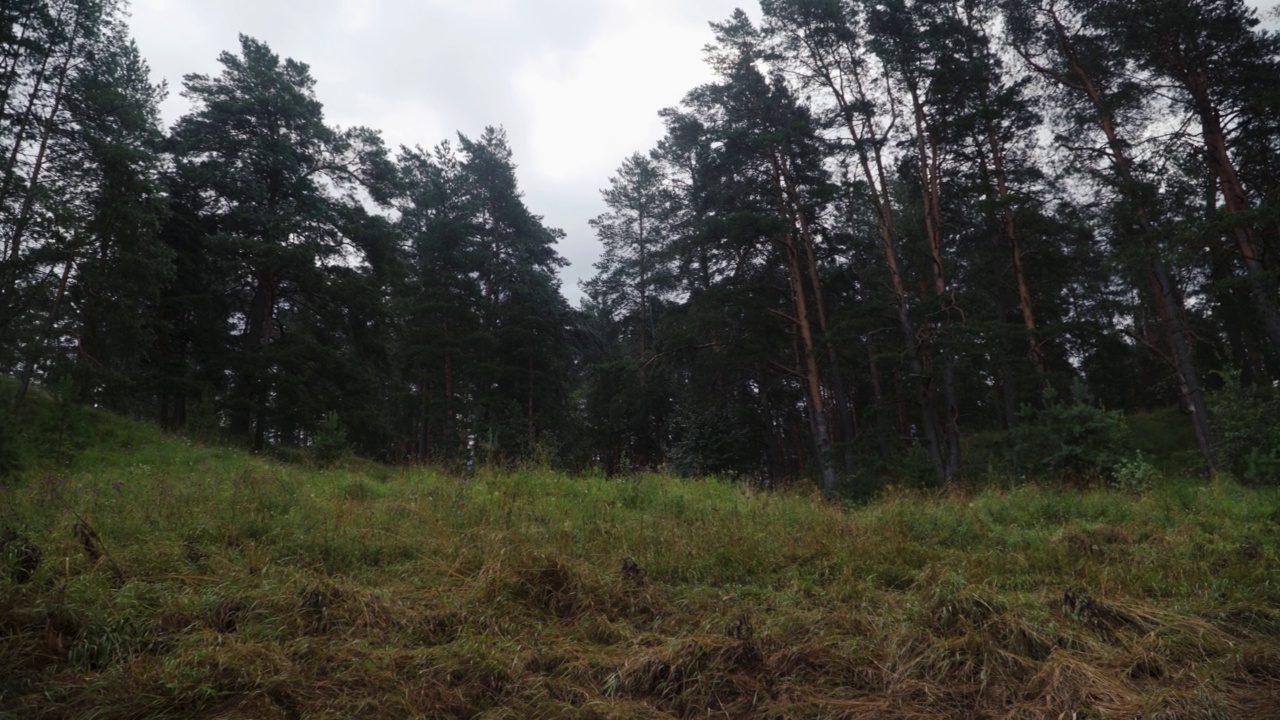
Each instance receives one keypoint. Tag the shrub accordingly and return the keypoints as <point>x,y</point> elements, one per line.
<point>10,454</point>
<point>1136,474</point>
<point>707,443</point>
<point>1246,427</point>
<point>331,443</point>
<point>1068,437</point>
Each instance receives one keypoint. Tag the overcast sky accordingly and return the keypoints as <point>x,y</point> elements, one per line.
<point>576,83</point>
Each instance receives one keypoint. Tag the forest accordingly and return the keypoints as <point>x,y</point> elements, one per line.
<point>903,239</point>
<point>930,369</point>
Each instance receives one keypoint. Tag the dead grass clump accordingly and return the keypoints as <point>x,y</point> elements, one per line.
<point>1261,663</point>
<point>1199,704</point>
<point>437,626</point>
<point>566,591</point>
<point>193,554</point>
<point>816,670</point>
<point>314,608</point>
<point>1105,619</point>
<point>1100,543</point>
<point>548,586</point>
<point>224,615</point>
<point>632,573</point>
<point>60,632</point>
<point>706,674</point>
<point>988,642</point>
<point>1245,621</point>
<point>1067,685</point>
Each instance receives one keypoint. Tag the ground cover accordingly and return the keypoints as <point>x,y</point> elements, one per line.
<point>150,577</point>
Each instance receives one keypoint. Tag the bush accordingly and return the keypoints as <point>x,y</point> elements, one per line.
<point>708,443</point>
<point>1136,474</point>
<point>1069,437</point>
<point>10,454</point>
<point>1246,428</point>
<point>331,443</point>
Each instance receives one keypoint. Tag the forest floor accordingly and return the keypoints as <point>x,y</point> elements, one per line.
<point>151,577</point>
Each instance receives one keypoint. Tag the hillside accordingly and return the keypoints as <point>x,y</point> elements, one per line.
<point>150,577</point>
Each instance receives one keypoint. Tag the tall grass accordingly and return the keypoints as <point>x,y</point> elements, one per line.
<point>178,580</point>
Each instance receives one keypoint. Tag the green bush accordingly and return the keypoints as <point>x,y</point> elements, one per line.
<point>331,443</point>
<point>1068,438</point>
<point>708,443</point>
<point>1246,428</point>
<point>1136,474</point>
<point>10,453</point>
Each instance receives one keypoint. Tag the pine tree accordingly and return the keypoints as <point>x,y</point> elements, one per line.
<point>280,221</point>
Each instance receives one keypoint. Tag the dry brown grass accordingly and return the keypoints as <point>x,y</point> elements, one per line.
<point>228,588</point>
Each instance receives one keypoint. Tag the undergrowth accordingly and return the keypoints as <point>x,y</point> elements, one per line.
<point>149,577</point>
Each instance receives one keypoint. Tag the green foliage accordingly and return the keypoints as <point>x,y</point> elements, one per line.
<point>1246,426</point>
<point>1136,474</point>
<point>1070,438</point>
<point>707,443</point>
<point>60,428</point>
<point>11,462</point>
<point>331,443</point>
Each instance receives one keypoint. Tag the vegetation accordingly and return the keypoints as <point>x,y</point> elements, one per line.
<point>856,267</point>
<point>147,576</point>
<point>883,229</point>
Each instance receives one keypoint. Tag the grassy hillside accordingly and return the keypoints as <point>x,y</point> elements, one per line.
<point>176,580</point>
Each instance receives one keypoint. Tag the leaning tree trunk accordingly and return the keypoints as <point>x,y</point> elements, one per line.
<point>930,172</point>
<point>859,122</point>
<point>1165,293</point>
<point>844,412</point>
<point>9,279</point>
<point>1237,203</point>
<point>804,328</point>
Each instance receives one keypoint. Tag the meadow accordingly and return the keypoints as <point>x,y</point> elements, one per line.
<point>149,576</point>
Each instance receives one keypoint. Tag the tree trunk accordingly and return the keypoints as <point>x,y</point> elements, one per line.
<point>1166,296</point>
<point>930,172</point>
<point>37,348</point>
<point>812,374</point>
<point>8,290</point>
<point>248,420</point>
<point>1035,352</point>
<point>840,395</point>
<point>871,163</point>
<point>1236,201</point>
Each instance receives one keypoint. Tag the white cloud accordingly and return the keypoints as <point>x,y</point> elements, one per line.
<point>588,108</point>
<point>359,15</point>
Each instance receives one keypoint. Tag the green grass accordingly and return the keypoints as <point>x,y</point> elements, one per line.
<point>178,580</point>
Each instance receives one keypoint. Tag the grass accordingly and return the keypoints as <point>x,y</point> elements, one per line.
<point>176,580</point>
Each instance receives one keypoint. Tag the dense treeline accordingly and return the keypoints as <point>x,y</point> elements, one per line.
<point>891,222</point>
<point>258,271</point>
<point>885,226</point>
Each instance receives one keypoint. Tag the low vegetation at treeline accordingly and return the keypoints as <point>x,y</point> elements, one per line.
<point>145,576</point>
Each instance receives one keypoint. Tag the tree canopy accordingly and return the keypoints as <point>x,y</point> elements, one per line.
<point>883,226</point>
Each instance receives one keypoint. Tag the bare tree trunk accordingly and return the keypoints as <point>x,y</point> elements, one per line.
<point>812,374</point>
<point>1236,201</point>
<point>8,288</point>
<point>37,348</point>
<point>1011,236</point>
<point>930,171</point>
<point>248,420</point>
<point>1165,294</point>
<point>859,122</point>
<point>840,395</point>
